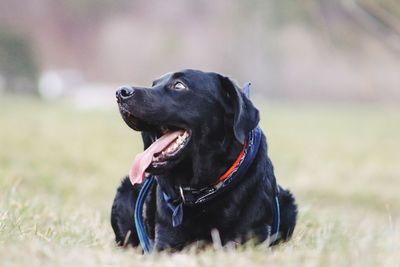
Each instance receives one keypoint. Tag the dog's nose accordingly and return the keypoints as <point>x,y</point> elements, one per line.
<point>124,92</point>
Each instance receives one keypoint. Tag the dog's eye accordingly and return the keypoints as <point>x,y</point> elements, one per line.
<point>179,86</point>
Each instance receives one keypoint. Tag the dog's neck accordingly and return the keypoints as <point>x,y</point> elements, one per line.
<point>208,170</point>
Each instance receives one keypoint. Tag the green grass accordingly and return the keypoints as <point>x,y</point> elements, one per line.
<point>59,167</point>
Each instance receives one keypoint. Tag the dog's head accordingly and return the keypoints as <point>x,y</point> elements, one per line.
<point>190,117</point>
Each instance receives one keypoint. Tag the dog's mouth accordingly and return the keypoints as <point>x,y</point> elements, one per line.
<point>173,149</point>
<point>167,148</point>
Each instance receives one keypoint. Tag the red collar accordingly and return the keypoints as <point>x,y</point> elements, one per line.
<point>234,166</point>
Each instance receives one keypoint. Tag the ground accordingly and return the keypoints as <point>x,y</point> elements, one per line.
<point>59,167</point>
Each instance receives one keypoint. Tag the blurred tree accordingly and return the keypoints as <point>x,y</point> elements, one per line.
<point>18,69</point>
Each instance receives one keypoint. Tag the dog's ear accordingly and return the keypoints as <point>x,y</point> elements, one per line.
<point>246,116</point>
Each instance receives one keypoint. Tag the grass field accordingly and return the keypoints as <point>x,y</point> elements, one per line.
<point>59,167</point>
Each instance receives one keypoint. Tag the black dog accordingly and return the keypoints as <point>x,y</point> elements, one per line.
<point>197,129</point>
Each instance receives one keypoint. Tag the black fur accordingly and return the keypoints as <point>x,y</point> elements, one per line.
<point>219,116</point>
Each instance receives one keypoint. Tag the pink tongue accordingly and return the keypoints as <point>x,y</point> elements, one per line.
<point>143,160</point>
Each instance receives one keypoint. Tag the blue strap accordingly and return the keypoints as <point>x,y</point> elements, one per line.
<point>140,228</point>
<point>277,222</point>
<point>177,210</point>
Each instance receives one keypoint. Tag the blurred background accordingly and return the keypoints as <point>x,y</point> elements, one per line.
<point>325,75</point>
<point>317,50</point>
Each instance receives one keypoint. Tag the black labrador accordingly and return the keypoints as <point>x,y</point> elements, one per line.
<point>195,127</point>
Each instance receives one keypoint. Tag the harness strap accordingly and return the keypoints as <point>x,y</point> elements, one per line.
<point>277,222</point>
<point>145,241</point>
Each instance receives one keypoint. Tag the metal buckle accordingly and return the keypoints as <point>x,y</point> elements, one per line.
<point>181,193</point>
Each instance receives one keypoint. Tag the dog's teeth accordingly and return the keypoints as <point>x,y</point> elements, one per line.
<point>175,146</point>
